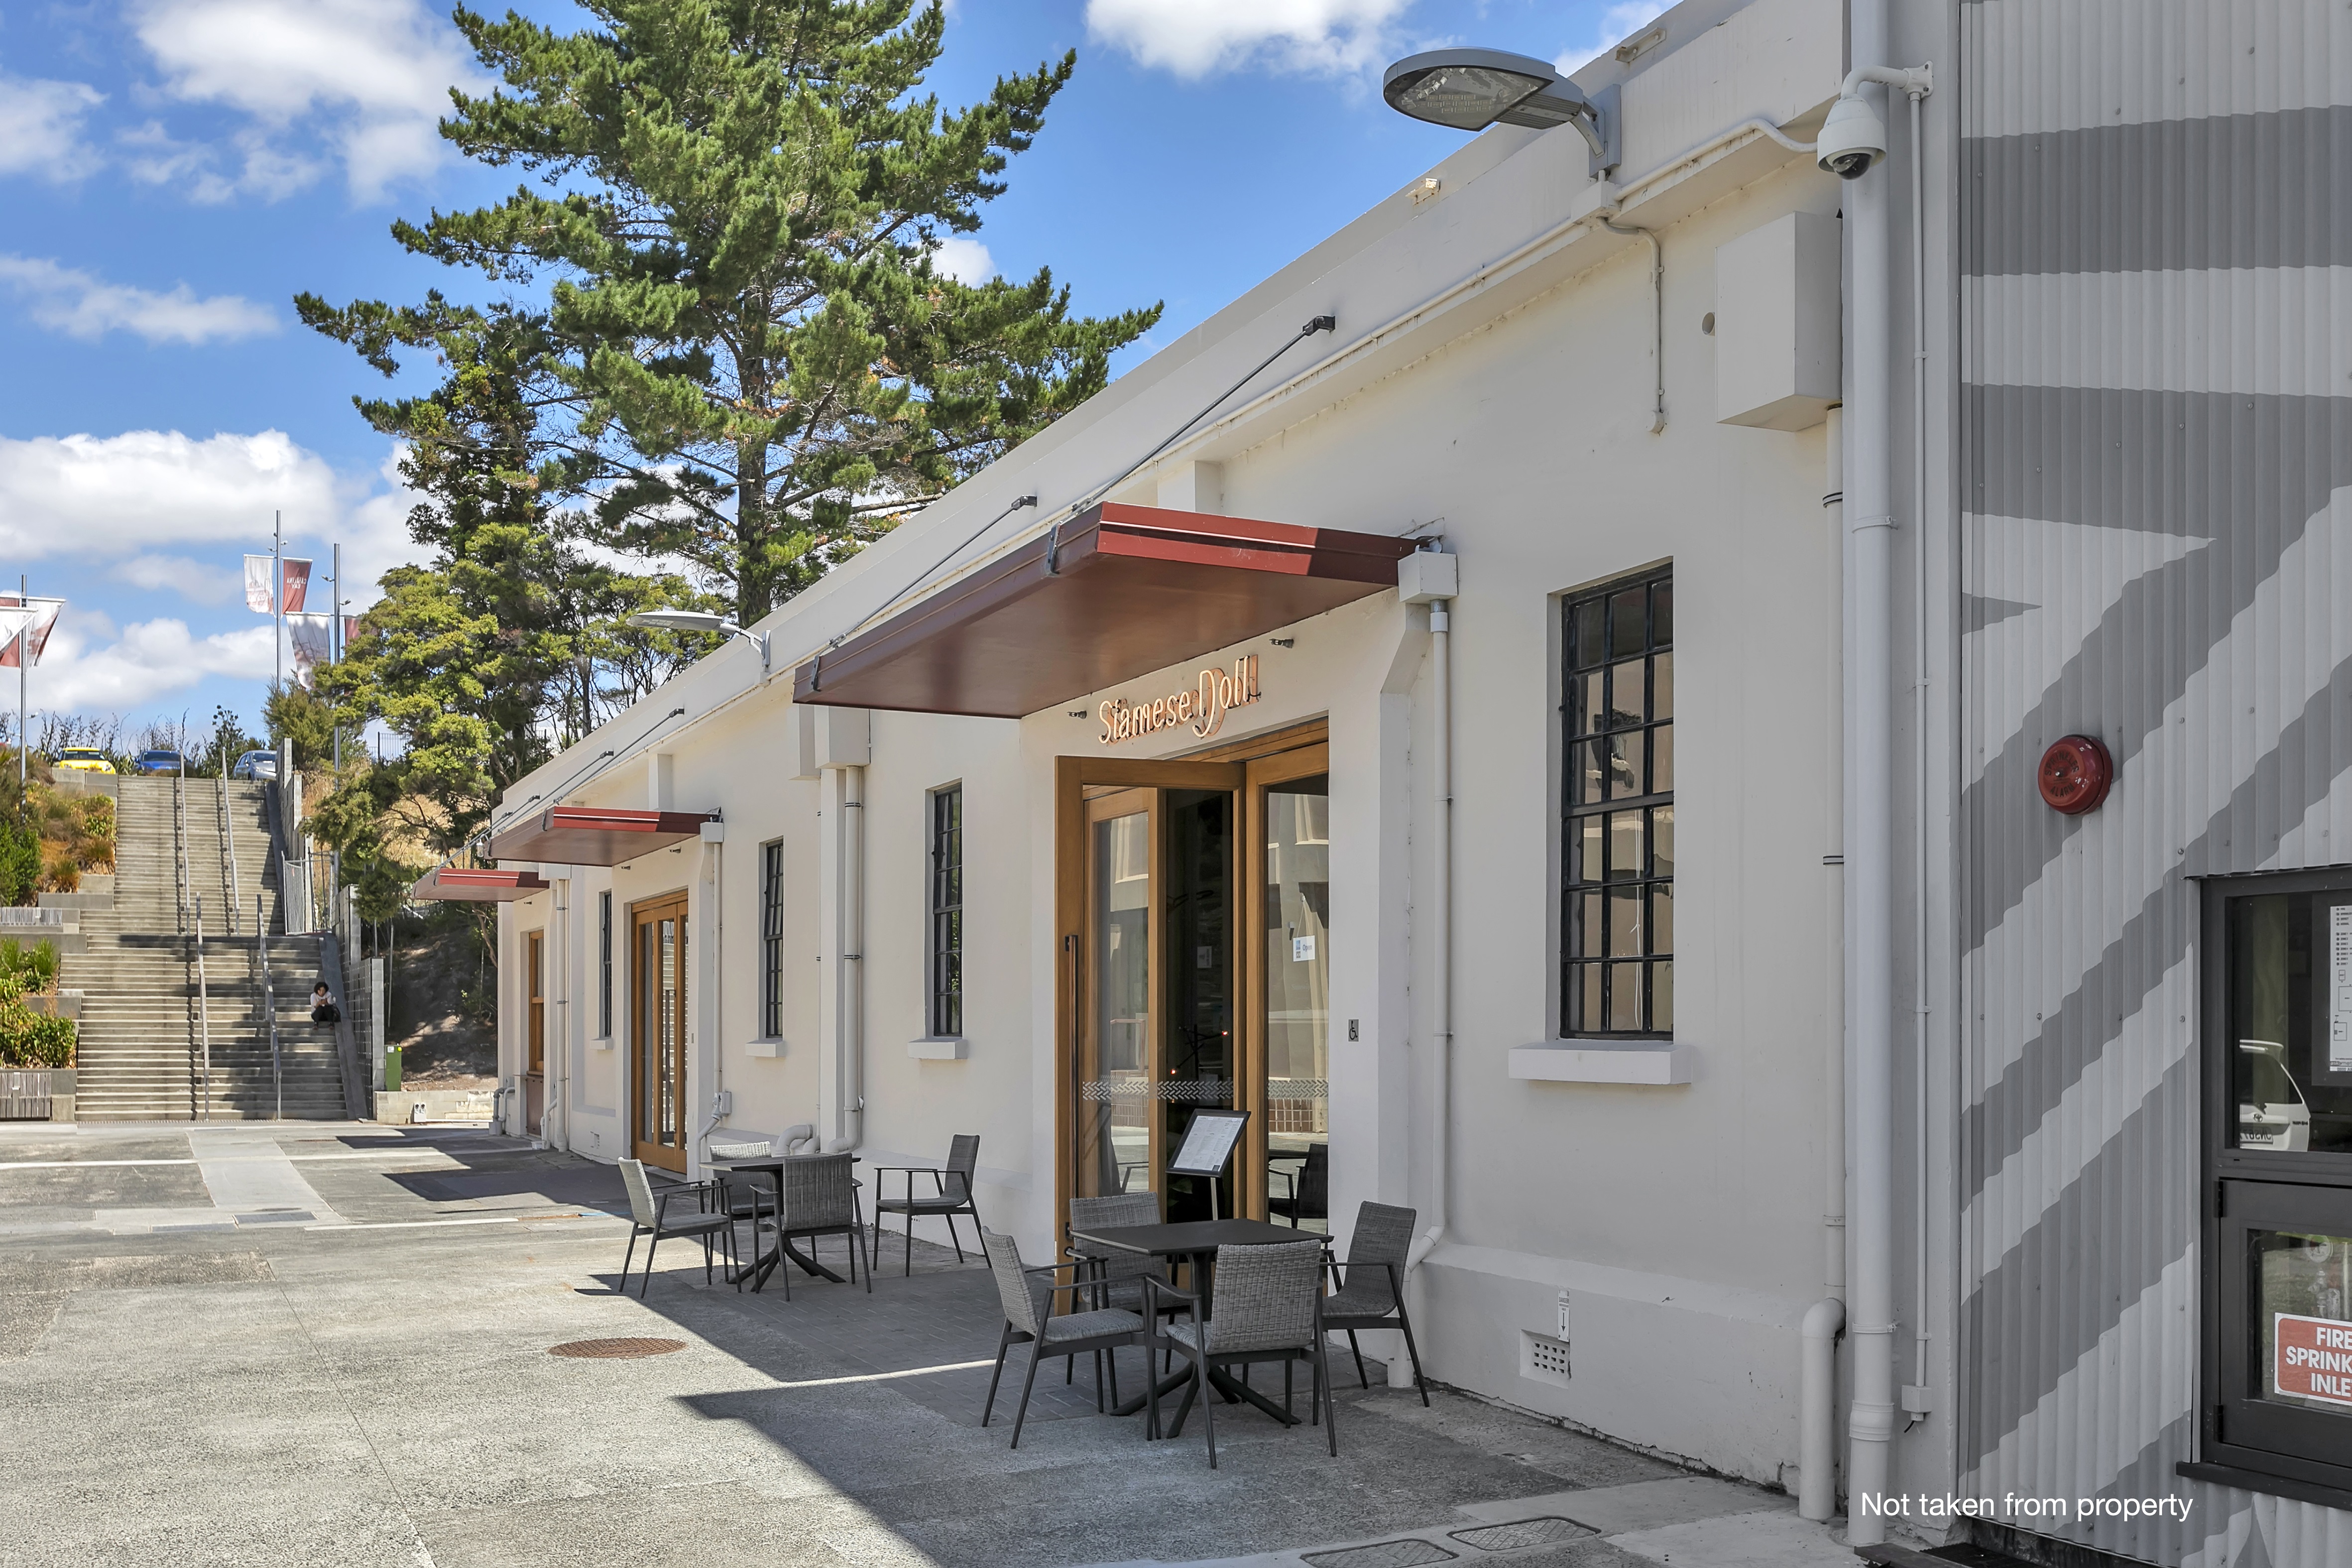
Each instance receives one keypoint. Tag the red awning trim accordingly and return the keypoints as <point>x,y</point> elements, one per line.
<point>595,834</point>
<point>1116,593</point>
<point>477,884</point>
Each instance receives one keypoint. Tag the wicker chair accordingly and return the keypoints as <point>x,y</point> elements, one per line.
<point>954,1182</point>
<point>1112,1275</point>
<point>1269,1304</point>
<point>649,1214</point>
<point>819,1198</point>
<point>1369,1288</point>
<point>1029,1319</point>
<point>1307,1194</point>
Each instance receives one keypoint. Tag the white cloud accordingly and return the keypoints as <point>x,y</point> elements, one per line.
<point>963,258</point>
<point>373,75</point>
<point>1195,37</point>
<point>196,580</point>
<point>89,308</point>
<point>107,499</point>
<point>1618,23</point>
<point>148,661</point>
<point>40,128</point>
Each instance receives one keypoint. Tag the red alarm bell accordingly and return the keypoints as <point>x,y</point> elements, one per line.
<point>2075,774</point>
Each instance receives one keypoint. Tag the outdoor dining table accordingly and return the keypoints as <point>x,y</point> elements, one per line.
<point>762,1264</point>
<point>1198,1239</point>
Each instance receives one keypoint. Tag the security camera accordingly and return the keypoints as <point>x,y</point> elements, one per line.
<point>1851,140</point>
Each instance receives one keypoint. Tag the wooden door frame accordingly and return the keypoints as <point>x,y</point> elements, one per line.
<point>534,1001</point>
<point>1258,774</point>
<point>643,992</point>
<point>1231,771</point>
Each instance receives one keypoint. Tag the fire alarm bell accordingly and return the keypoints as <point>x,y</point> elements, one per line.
<point>2075,774</point>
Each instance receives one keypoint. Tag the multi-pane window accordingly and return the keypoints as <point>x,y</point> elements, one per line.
<point>604,966</point>
<point>1618,973</point>
<point>771,940</point>
<point>947,911</point>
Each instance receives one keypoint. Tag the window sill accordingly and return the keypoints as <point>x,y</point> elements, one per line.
<point>771,1049</point>
<point>1657,1062</point>
<point>605,1044</point>
<point>932,1049</point>
<point>2265,1483</point>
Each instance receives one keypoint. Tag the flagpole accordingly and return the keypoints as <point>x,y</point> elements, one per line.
<point>277,605</point>
<point>335,643</point>
<point>24,607</point>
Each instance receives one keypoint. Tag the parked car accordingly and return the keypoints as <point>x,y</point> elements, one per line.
<point>83,760</point>
<point>161,759</point>
<point>255,765</point>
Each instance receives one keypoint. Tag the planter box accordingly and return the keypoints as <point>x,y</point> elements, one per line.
<point>28,1094</point>
<point>63,1004</point>
<point>413,1105</point>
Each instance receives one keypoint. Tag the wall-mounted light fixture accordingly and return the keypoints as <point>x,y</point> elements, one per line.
<point>1470,89</point>
<point>703,621</point>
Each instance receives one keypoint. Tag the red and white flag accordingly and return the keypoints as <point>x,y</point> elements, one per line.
<point>41,622</point>
<point>312,646</point>
<point>257,585</point>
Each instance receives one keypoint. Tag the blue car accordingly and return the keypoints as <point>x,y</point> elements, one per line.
<point>161,759</point>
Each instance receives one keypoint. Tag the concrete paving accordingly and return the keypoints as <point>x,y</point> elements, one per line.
<point>328,1343</point>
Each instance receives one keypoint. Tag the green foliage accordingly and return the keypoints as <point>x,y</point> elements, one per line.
<point>751,360</point>
<point>30,1039</point>
<point>305,718</point>
<point>223,745</point>
<point>20,861</point>
<point>35,968</point>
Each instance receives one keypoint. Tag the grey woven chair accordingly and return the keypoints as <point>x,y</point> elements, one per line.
<point>1368,1290</point>
<point>649,1214</point>
<point>819,1198</point>
<point>1269,1307</point>
<point>1113,1277</point>
<point>1307,1193</point>
<point>1028,1295</point>
<point>954,1182</point>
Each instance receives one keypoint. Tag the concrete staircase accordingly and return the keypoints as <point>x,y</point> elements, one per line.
<point>141,1055</point>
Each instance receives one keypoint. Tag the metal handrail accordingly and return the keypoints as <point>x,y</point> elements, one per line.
<point>228,857</point>
<point>203,1007</point>
<point>180,849</point>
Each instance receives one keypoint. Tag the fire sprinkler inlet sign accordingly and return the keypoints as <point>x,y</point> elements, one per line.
<point>2314,1358</point>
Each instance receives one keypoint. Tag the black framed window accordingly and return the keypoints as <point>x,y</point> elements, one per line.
<point>604,966</point>
<point>947,911</point>
<point>1617,975</point>
<point>2276,1374</point>
<point>771,940</point>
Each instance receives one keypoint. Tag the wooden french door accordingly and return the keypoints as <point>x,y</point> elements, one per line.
<point>1286,998</point>
<point>534,1086</point>
<point>657,1040</point>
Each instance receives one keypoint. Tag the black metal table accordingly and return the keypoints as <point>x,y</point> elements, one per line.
<point>762,1264</point>
<point>1198,1240</point>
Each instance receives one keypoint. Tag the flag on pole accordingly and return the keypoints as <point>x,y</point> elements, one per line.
<point>40,618</point>
<point>310,636</point>
<point>257,585</point>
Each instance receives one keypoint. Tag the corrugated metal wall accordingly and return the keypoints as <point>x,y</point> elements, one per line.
<point>2156,549</point>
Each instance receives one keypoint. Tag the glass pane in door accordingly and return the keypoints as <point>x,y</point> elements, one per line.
<point>1197,1065</point>
<point>1298,960</point>
<point>1115,1073</point>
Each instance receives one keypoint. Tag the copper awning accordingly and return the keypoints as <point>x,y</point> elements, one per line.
<point>593,834</point>
<point>477,884</point>
<point>1130,589</point>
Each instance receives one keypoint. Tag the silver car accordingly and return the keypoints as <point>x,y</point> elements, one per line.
<point>255,765</point>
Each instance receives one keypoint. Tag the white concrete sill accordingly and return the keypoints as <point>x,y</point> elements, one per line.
<point>932,1049</point>
<point>604,1042</point>
<point>1659,1062</point>
<point>770,1048</point>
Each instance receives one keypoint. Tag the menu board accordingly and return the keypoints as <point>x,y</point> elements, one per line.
<point>2339,988</point>
<point>1208,1143</point>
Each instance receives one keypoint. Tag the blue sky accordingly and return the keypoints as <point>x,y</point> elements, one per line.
<point>177,170</point>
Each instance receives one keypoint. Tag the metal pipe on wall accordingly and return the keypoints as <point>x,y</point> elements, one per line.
<point>1441,935</point>
<point>849,972</point>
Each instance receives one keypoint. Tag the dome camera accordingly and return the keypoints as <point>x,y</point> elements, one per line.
<point>1851,140</point>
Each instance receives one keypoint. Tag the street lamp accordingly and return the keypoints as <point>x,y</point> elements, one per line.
<point>1470,89</point>
<point>703,621</point>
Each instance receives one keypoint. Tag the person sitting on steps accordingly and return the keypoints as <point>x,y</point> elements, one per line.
<point>322,1006</point>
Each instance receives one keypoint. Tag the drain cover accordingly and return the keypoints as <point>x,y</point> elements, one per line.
<point>614,1349</point>
<point>1524,1533</point>
<point>1386,1554</point>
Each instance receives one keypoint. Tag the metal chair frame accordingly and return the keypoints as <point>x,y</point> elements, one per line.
<point>1315,1352</point>
<point>1104,1348</point>
<point>963,1165</point>
<point>705,1223</point>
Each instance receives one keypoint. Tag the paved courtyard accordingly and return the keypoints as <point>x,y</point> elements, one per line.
<point>330,1344</point>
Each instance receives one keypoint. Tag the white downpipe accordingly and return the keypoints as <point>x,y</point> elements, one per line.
<point>1869,797</point>
<point>1917,1405</point>
<point>1441,922</point>
<point>848,1130</point>
<point>559,986</point>
<point>1825,1319</point>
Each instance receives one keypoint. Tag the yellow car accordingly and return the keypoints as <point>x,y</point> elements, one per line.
<point>83,760</point>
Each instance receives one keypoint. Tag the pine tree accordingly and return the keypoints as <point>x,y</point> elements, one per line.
<point>761,364</point>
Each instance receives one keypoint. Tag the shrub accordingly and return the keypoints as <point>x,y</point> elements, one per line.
<point>30,1039</point>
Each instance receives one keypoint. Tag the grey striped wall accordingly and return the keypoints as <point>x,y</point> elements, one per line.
<point>2155,323</point>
